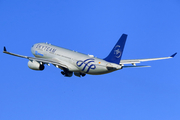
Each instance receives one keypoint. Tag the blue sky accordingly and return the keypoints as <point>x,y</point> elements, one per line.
<point>91,27</point>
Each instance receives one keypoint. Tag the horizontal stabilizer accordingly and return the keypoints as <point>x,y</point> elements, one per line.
<point>135,66</point>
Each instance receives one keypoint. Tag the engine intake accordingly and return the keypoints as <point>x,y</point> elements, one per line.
<point>34,65</point>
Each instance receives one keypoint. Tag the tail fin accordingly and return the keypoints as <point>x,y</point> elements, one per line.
<point>116,53</point>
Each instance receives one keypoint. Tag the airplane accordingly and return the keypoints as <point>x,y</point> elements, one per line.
<point>80,64</point>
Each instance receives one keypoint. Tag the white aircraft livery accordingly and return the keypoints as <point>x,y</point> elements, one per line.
<point>80,64</point>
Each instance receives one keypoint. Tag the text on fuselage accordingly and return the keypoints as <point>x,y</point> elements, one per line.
<point>46,48</point>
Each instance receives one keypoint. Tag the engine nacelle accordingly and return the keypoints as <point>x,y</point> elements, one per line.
<point>34,65</point>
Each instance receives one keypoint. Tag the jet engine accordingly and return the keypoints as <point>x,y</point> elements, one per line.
<point>34,65</point>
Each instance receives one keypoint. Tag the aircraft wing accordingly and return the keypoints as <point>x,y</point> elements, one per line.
<point>53,61</point>
<point>134,61</point>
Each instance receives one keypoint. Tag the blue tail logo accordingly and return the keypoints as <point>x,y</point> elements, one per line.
<point>86,63</point>
<point>116,53</point>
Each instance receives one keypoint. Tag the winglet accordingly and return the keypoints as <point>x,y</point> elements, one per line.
<point>173,54</point>
<point>5,48</point>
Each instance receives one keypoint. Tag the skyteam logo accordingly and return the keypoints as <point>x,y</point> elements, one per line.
<point>87,64</point>
<point>117,51</point>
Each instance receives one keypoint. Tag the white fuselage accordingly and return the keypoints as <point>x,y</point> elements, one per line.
<point>74,61</point>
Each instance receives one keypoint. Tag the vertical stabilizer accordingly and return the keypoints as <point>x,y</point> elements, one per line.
<point>116,53</point>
